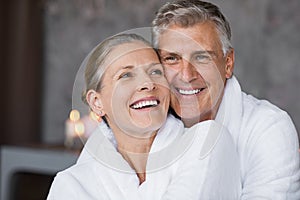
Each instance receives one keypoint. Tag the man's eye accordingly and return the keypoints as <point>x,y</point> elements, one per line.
<point>156,72</point>
<point>170,59</point>
<point>202,58</point>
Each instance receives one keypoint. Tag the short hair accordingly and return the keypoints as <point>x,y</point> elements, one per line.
<point>186,13</point>
<point>94,64</point>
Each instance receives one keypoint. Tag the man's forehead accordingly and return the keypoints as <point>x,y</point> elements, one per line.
<point>202,36</point>
<point>170,34</point>
<point>180,47</point>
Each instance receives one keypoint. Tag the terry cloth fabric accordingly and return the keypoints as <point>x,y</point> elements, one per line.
<point>267,143</point>
<point>196,163</point>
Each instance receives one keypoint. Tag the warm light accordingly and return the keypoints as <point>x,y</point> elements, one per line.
<point>93,116</point>
<point>74,115</point>
<point>79,128</point>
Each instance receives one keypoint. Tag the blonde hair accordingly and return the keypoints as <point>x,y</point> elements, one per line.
<point>94,70</point>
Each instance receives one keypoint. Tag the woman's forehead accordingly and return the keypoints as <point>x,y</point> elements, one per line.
<point>129,51</point>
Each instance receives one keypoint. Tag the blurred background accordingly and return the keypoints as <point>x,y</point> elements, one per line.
<point>43,43</point>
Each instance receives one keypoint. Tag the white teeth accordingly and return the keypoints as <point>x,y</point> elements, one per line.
<point>189,92</point>
<point>145,103</point>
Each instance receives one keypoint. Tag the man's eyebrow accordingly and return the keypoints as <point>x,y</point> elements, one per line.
<point>210,52</point>
<point>169,53</point>
<point>204,52</point>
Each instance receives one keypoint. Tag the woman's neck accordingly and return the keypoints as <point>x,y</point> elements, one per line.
<point>135,151</point>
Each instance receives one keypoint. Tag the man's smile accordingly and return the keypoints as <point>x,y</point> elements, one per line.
<point>189,91</point>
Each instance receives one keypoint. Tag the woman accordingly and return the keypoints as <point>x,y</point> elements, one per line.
<point>139,151</point>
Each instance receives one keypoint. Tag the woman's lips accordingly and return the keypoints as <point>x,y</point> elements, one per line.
<point>145,103</point>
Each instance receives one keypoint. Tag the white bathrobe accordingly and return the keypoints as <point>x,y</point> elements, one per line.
<point>196,163</point>
<point>267,144</point>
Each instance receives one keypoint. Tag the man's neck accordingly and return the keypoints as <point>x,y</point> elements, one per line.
<point>192,121</point>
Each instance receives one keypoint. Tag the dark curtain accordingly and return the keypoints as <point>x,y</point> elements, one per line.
<point>21,28</point>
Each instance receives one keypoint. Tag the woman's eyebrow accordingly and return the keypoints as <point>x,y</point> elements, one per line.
<point>117,72</point>
<point>153,64</point>
<point>127,67</point>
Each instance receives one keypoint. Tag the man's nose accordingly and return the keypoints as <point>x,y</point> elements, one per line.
<point>188,72</point>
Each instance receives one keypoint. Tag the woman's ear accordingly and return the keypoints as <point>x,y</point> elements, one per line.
<point>94,100</point>
<point>229,63</point>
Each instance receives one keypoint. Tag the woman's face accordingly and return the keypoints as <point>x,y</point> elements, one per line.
<point>134,91</point>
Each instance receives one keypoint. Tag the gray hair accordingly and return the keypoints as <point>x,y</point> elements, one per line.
<point>186,13</point>
<point>94,63</point>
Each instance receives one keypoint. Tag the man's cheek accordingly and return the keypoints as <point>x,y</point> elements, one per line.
<point>169,73</point>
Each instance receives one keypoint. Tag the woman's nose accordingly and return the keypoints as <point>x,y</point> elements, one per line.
<point>146,84</point>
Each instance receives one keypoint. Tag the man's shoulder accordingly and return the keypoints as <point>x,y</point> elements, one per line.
<point>261,119</point>
<point>260,109</point>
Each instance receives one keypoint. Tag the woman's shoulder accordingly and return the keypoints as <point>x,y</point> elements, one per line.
<point>65,185</point>
<point>73,173</point>
<point>75,181</point>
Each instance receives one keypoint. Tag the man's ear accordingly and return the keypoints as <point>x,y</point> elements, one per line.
<point>94,100</point>
<point>229,63</point>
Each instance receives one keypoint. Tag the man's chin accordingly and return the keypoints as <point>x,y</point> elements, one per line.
<point>189,113</point>
<point>189,117</point>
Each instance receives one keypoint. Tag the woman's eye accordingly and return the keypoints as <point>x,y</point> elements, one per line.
<point>126,75</point>
<point>157,71</point>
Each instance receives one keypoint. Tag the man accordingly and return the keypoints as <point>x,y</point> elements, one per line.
<point>193,40</point>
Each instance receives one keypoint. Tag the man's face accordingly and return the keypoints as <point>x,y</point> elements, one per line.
<point>196,70</point>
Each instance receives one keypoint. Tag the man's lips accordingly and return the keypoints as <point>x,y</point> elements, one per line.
<point>191,91</point>
<point>145,103</point>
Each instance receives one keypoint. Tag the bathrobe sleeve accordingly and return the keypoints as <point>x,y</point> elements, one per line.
<point>210,167</point>
<point>64,187</point>
<point>271,159</point>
